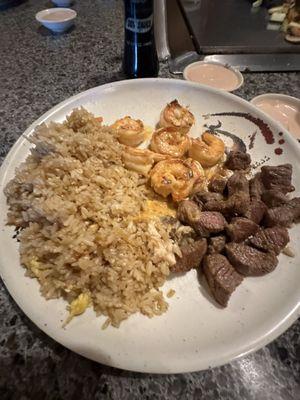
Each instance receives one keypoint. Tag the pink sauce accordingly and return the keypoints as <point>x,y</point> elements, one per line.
<point>213,75</point>
<point>287,115</point>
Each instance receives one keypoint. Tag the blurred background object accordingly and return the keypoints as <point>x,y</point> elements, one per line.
<point>140,56</point>
<point>4,4</point>
<point>228,31</point>
<point>62,3</point>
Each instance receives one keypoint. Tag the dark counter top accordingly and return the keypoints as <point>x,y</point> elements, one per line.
<point>37,71</point>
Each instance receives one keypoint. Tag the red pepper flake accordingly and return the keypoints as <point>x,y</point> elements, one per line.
<point>281,141</point>
<point>264,128</point>
<point>278,151</point>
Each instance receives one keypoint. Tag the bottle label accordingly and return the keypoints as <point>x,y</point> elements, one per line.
<point>139,44</point>
<point>139,25</point>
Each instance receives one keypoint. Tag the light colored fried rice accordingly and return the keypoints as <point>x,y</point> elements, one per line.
<point>81,239</point>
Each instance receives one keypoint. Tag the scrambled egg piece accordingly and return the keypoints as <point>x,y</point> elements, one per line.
<point>155,208</point>
<point>34,267</point>
<point>78,306</point>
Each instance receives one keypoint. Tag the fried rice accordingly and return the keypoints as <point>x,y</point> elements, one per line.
<point>77,208</point>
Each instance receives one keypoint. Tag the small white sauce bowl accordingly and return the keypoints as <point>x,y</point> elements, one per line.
<point>62,3</point>
<point>290,121</point>
<point>239,76</point>
<point>57,19</point>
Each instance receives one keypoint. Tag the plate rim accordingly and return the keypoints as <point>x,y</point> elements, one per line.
<point>260,342</point>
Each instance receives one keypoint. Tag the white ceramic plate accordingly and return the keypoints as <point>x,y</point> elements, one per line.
<point>194,334</point>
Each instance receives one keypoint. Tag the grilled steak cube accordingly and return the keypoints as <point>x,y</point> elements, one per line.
<point>237,160</point>
<point>281,216</point>
<point>274,198</point>
<point>249,261</point>
<point>240,229</point>
<point>204,223</point>
<point>216,244</point>
<point>203,197</point>
<point>237,183</point>
<point>188,212</point>
<point>192,254</point>
<point>271,239</point>
<point>284,215</point>
<point>279,178</point>
<point>256,186</point>
<point>238,199</point>
<point>221,277</point>
<point>209,222</point>
<point>294,205</point>
<point>256,210</point>
<point>237,204</point>
<point>217,185</point>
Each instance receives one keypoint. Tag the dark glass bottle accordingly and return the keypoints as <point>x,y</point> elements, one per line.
<point>140,57</point>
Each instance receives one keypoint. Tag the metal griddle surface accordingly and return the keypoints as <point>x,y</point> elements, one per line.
<point>233,26</point>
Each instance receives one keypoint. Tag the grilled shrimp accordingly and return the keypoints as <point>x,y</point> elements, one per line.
<point>176,177</point>
<point>176,116</point>
<point>140,160</point>
<point>130,132</point>
<point>208,150</point>
<point>170,141</point>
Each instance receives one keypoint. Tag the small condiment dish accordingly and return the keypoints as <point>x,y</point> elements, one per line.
<point>214,74</point>
<point>57,19</point>
<point>282,108</point>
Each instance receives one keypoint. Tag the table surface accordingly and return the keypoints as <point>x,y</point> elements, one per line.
<point>37,71</point>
